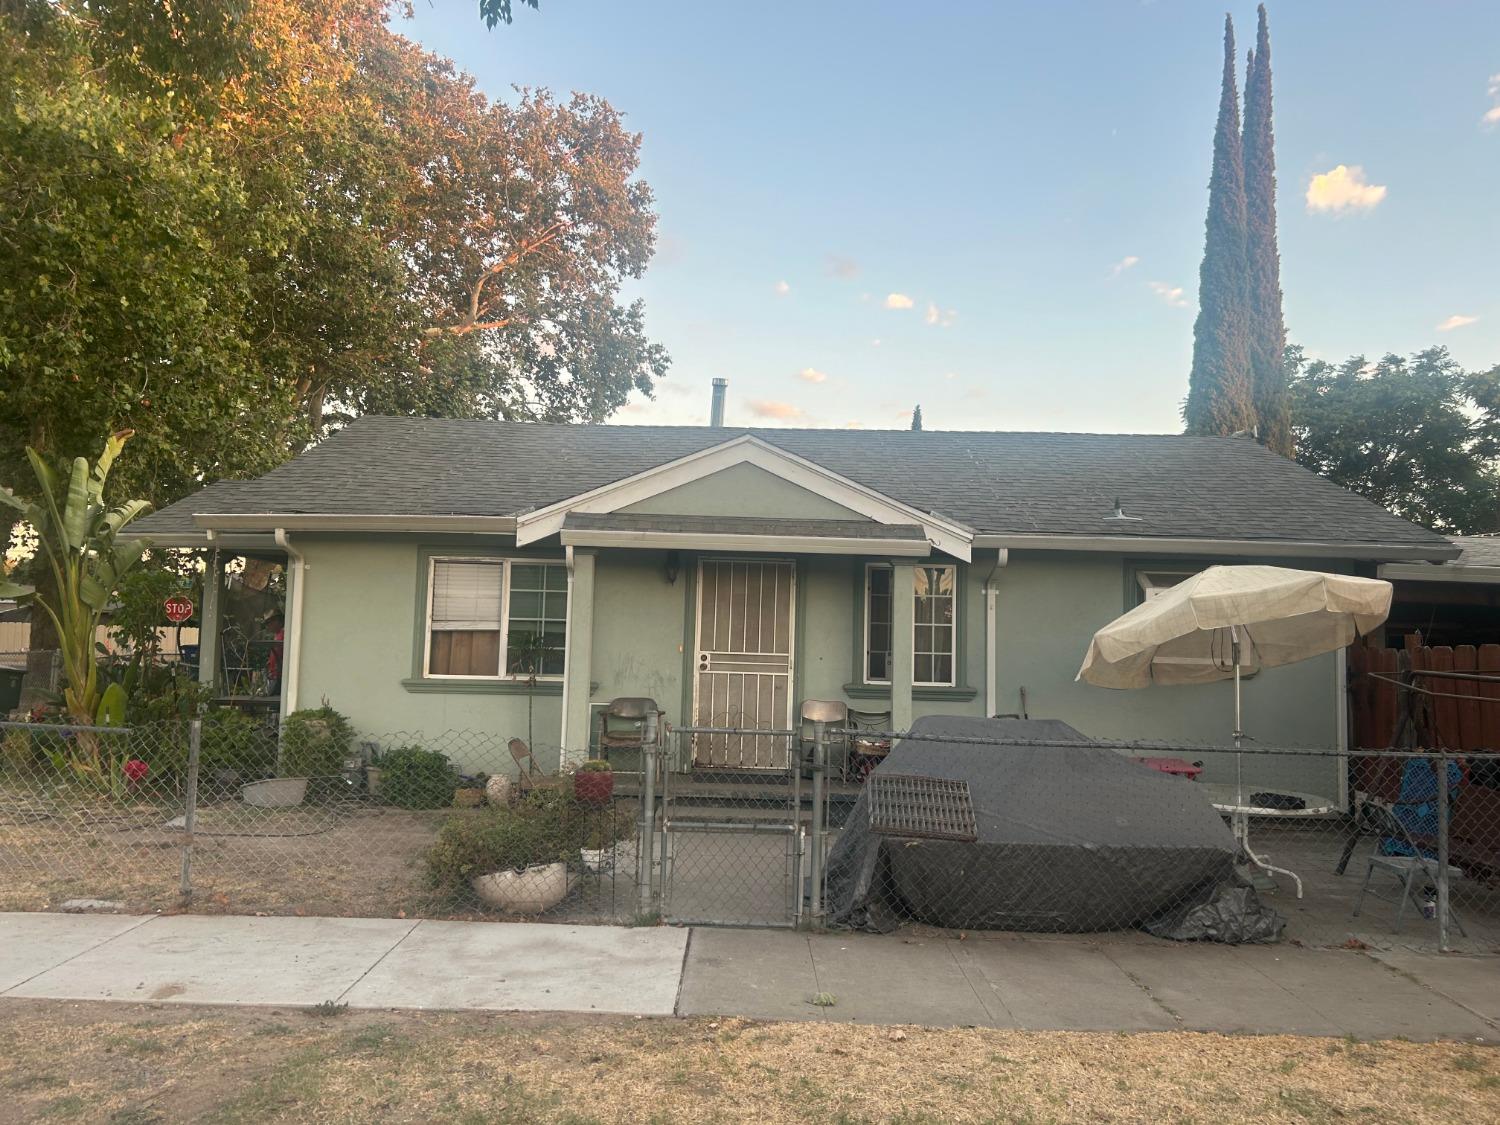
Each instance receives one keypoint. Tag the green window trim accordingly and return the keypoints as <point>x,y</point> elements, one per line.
<point>959,690</point>
<point>463,686</point>
<point>499,684</point>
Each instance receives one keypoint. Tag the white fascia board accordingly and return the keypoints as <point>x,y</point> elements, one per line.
<point>946,535</point>
<point>246,541</point>
<point>788,544</point>
<point>1441,572</point>
<point>1283,548</point>
<point>269,521</point>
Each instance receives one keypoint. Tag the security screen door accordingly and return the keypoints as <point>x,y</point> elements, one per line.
<point>744,661</point>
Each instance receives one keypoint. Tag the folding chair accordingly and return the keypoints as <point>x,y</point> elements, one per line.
<point>1414,871</point>
<point>525,765</point>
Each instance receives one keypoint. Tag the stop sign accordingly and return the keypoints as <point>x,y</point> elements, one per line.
<point>179,608</point>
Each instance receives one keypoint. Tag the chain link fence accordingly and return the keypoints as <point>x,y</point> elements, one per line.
<point>225,815</point>
<point>836,828</point>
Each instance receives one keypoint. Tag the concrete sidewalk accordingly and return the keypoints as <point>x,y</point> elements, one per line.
<point>1114,982</point>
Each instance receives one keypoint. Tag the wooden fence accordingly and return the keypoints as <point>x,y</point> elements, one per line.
<point>1464,713</point>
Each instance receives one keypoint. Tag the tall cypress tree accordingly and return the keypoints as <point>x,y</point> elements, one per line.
<point>1219,399</point>
<point>1268,384</point>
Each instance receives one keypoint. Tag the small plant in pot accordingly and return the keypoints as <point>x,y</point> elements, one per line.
<point>514,859</point>
<point>594,783</point>
<point>602,839</point>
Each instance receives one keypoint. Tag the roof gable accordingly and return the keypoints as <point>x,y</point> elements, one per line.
<point>745,490</point>
<point>746,449</point>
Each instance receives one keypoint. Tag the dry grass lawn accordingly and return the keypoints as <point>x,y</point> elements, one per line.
<point>117,1063</point>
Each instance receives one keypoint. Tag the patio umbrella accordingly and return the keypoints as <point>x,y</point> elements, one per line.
<point>1230,620</point>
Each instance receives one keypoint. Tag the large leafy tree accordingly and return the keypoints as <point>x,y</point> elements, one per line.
<point>1219,398</point>
<point>235,222</point>
<point>1267,329</point>
<point>1417,435</point>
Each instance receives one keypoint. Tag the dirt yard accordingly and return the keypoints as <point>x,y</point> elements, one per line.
<point>137,1064</point>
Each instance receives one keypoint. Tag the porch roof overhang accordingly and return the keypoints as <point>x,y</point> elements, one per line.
<point>742,533</point>
<point>935,531</point>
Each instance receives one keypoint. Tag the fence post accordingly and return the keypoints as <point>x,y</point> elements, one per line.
<point>1442,872</point>
<point>190,814</point>
<point>647,839</point>
<point>820,758</point>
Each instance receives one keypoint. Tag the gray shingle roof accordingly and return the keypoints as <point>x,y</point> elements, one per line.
<point>1476,550</point>
<point>997,483</point>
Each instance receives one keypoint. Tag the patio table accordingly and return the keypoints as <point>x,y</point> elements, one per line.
<point>1226,800</point>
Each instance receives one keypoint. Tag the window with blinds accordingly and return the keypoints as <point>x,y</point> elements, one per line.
<point>481,609</point>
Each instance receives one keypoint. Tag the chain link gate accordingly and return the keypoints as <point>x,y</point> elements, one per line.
<point>741,846</point>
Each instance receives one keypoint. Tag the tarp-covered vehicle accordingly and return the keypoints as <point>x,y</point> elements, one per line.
<point>1067,837</point>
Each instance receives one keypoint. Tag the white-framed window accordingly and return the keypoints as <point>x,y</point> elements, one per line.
<point>1154,583</point>
<point>934,625</point>
<point>494,618</point>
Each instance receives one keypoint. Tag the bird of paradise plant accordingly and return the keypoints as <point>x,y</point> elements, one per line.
<point>86,555</point>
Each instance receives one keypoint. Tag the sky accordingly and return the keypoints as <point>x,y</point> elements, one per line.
<point>996,209</point>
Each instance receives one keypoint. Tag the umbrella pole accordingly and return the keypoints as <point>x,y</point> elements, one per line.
<point>1239,733</point>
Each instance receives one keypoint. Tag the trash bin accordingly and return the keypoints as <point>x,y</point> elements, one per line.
<point>10,689</point>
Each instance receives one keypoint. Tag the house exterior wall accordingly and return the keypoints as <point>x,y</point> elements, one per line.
<point>360,636</point>
<point>362,640</point>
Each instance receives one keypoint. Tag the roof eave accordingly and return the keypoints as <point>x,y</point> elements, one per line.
<point>315,521</point>
<point>728,541</point>
<point>1276,548</point>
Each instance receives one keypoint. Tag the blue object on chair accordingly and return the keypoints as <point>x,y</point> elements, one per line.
<point>1416,808</point>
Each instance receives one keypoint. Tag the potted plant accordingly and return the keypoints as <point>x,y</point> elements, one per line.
<point>512,859</point>
<point>594,783</point>
<point>602,841</point>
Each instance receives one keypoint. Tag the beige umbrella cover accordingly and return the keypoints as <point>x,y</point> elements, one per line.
<point>1183,636</point>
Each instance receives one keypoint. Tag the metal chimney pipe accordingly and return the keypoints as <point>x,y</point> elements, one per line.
<point>716,411</point>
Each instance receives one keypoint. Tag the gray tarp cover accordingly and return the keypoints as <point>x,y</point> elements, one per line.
<point>1071,839</point>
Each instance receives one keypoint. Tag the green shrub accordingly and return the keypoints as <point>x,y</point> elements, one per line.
<point>417,778</point>
<point>314,742</point>
<point>233,740</point>
<point>546,827</point>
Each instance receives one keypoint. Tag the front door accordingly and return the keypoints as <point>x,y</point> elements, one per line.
<point>744,661</point>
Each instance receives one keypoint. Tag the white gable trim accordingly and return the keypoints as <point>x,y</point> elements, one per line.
<point>956,539</point>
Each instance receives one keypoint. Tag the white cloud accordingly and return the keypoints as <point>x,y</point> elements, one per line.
<point>898,301</point>
<point>812,375</point>
<point>1123,264</point>
<point>1171,294</point>
<point>1491,116</point>
<point>769,408</point>
<point>1343,188</point>
<point>1457,320</point>
<point>942,318</point>
<point>782,288</point>
<point>875,343</point>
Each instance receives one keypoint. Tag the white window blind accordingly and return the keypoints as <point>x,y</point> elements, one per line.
<point>466,594</point>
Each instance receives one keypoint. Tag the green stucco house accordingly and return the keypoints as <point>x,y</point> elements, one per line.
<point>730,574</point>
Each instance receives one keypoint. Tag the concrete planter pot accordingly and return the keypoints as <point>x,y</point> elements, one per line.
<point>497,790</point>
<point>532,891</point>
<point>275,792</point>
<point>600,861</point>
